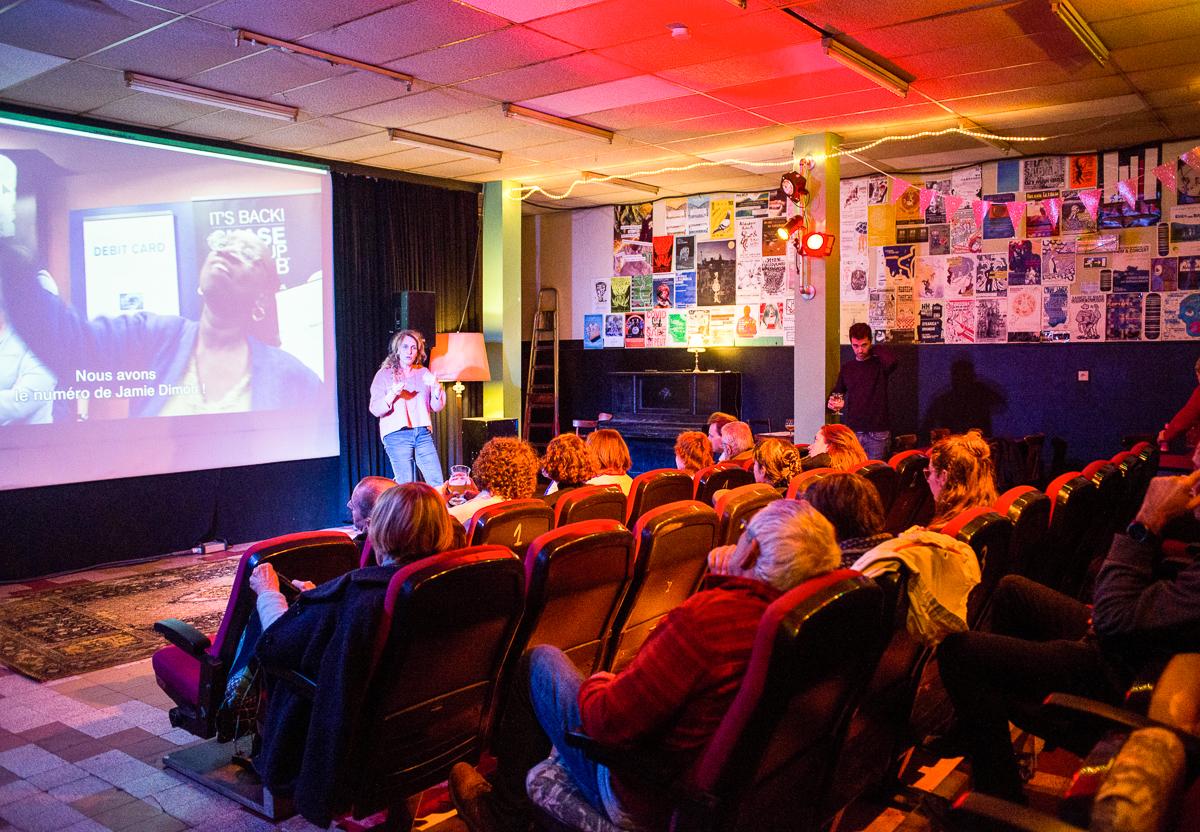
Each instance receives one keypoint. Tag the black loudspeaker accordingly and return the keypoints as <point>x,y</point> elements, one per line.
<point>477,430</point>
<point>415,310</point>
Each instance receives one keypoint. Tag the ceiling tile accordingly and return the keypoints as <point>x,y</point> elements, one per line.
<point>1132,29</point>
<point>229,125</point>
<point>1154,55</point>
<point>840,16</point>
<point>353,90</point>
<point>870,100</point>
<point>74,87</point>
<point>1028,77</point>
<point>1174,97</point>
<point>670,109</point>
<point>1166,77</point>
<point>351,150</point>
<point>703,126</point>
<point>151,110</point>
<point>889,119</point>
<point>620,21</point>
<point>637,90</point>
<point>550,77</point>
<point>158,53</point>
<point>485,55</point>
<point>513,138</point>
<point>17,65</point>
<point>1068,93</point>
<point>464,125</point>
<point>416,108</point>
<point>266,73</point>
<point>405,30</point>
<point>407,157</point>
<point>311,133</point>
<point>1021,119</point>
<point>979,25</point>
<point>1059,47</point>
<point>793,88</point>
<point>73,29</point>
<point>459,167</point>
<point>520,11</point>
<point>290,19</point>
<point>751,67</point>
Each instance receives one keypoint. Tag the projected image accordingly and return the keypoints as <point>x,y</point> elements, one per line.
<point>144,281</point>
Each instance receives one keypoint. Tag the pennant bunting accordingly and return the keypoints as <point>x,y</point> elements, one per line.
<point>899,186</point>
<point>981,208</point>
<point>1016,214</point>
<point>952,203</point>
<point>1165,173</point>
<point>1127,190</point>
<point>1191,158</point>
<point>1053,208</point>
<point>926,197</point>
<point>1091,201</point>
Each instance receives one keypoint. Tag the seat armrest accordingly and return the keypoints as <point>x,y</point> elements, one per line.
<point>183,635</point>
<point>1107,717</point>
<point>983,812</point>
<point>640,765</point>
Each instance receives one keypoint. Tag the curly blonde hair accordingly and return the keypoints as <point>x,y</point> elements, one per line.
<point>568,461</point>
<point>779,461</point>
<point>693,450</point>
<point>507,467</point>
<point>845,451</point>
<point>970,475</point>
<point>610,450</point>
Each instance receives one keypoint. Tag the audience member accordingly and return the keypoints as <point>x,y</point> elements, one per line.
<point>568,463</point>
<point>1187,417</point>
<point>362,502</point>
<point>693,451</point>
<point>834,446</point>
<point>1042,641</point>
<point>961,476</point>
<point>612,459</point>
<point>327,635</point>
<point>860,393</point>
<point>716,422</point>
<point>851,503</point>
<point>737,442</point>
<point>506,469</point>
<point>667,702</point>
<point>776,462</point>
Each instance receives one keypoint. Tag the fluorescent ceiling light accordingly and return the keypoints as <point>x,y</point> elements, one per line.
<point>214,98</point>
<point>328,57</point>
<point>546,120</point>
<point>864,66</point>
<point>438,143</point>
<point>632,184</point>
<point>1080,29</point>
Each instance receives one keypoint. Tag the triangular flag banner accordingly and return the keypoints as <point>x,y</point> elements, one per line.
<point>1165,173</point>
<point>1091,201</point>
<point>1127,189</point>
<point>899,186</point>
<point>952,203</point>
<point>1191,158</point>
<point>926,196</point>
<point>1053,208</point>
<point>981,208</point>
<point>1016,213</point>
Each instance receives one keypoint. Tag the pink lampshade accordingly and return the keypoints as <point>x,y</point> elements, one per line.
<point>460,356</point>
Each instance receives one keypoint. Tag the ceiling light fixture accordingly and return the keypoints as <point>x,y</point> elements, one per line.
<point>244,36</point>
<point>213,98</point>
<point>864,66</point>
<point>546,120</point>
<point>593,176</point>
<point>1080,29</point>
<point>438,143</point>
<point>678,30</point>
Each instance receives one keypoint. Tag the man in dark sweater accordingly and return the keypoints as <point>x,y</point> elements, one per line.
<point>860,393</point>
<point>1044,642</point>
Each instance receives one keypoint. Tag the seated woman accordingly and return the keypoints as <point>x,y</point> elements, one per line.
<point>612,459</point>
<point>506,469</point>
<point>693,451</point>
<point>776,462</point>
<point>961,476</point>
<point>327,636</point>
<point>568,463</point>
<point>834,446</point>
<point>852,505</point>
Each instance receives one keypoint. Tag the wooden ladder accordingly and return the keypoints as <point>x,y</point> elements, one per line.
<point>540,424</point>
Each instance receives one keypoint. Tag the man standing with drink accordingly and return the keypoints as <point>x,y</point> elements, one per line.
<point>860,393</point>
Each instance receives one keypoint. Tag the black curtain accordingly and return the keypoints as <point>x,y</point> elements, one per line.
<point>392,236</point>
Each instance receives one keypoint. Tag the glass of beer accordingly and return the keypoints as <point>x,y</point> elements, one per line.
<point>836,402</point>
<point>458,485</point>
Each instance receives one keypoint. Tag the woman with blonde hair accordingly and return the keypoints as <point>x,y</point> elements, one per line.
<point>693,451</point>
<point>776,462</point>
<point>612,459</point>
<point>568,463</point>
<point>506,469</point>
<point>405,395</point>
<point>835,446</point>
<point>961,476</point>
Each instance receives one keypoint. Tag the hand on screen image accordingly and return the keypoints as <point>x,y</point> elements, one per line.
<point>25,384</point>
<point>228,361</point>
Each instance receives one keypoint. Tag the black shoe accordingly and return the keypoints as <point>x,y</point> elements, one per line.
<point>472,797</point>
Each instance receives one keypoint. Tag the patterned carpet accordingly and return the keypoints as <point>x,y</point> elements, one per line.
<point>87,626</point>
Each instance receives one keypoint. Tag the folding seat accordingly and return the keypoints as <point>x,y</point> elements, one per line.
<point>673,542</point>
<point>913,505</point>
<point>591,502</point>
<point>1065,555</point>
<point>1110,490</point>
<point>512,523</point>
<point>798,483</point>
<point>723,475</point>
<point>1128,464</point>
<point>769,765</point>
<point>884,478</point>
<point>736,507</point>
<point>193,669</point>
<point>1033,444</point>
<point>656,488</point>
<point>989,535</point>
<point>1029,512</point>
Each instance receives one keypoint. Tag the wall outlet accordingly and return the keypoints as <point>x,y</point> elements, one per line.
<point>1083,375</point>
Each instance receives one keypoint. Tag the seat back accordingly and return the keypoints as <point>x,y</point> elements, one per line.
<point>771,760</point>
<point>1127,464</point>
<point>988,534</point>
<point>1033,444</point>
<point>575,579</point>
<point>801,481</point>
<point>885,479</point>
<point>512,523</point>
<point>736,507</point>
<point>1110,494</point>
<point>673,542</point>
<point>1073,511</point>
<point>723,475</point>
<point>656,488</point>
<point>448,623</point>
<point>913,504</point>
<point>1029,512</point>
<point>590,502</point>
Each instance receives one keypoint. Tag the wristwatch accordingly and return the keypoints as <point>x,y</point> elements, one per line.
<point>1139,532</point>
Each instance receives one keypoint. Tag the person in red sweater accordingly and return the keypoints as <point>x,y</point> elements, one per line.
<point>1186,418</point>
<point>669,700</point>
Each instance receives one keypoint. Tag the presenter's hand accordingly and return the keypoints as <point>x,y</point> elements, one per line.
<point>264,579</point>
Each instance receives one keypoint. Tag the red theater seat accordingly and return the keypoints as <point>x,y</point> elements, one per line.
<point>798,483</point>
<point>656,488</point>
<point>885,479</point>
<point>913,505</point>
<point>989,535</point>
<point>591,502</point>
<point>1029,512</point>
<point>723,475</point>
<point>736,507</point>
<point>512,523</point>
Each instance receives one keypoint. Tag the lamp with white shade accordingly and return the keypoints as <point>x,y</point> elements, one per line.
<point>459,357</point>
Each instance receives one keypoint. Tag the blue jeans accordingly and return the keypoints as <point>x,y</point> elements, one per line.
<point>410,448</point>
<point>875,443</point>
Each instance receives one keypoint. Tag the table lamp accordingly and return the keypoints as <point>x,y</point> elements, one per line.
<point>695,347</point>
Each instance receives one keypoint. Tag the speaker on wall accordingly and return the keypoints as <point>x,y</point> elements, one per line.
<point>415,310</point>
<point>477,430</point>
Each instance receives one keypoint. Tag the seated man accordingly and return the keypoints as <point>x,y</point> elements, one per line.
<point>668,701</point>
<point>716,423</point>
<point>1043,642</point>
<point>737,442</point>
<point>362,500</point>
